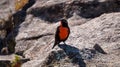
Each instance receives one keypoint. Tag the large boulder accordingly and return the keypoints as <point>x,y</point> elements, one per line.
<point>36,39</point>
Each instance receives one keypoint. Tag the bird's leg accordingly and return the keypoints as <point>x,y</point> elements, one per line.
<point>64,42</point>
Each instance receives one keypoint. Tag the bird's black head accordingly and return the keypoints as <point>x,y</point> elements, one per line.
<point>64,22</point>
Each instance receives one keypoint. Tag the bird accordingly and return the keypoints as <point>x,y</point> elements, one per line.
<point>62,32</point>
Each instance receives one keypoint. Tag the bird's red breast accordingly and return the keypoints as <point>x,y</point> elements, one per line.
<point>63,34</point>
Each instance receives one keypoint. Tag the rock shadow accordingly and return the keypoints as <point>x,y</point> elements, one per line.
<point>69,54</point>
<point>73,53</point>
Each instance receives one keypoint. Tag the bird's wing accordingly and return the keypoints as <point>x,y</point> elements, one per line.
<point>57,38</point>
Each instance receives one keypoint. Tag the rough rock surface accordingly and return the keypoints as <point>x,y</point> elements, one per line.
<point>103,30</point>
<point>5,21</point>
<point>53,10</point>
<point>36,37</point>
<point>94,40</point>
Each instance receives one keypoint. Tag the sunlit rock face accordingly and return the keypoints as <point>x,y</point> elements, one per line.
<point>94,39</point>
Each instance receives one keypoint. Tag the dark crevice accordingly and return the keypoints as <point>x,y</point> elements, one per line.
<point>36,37</point>
<point>5,63</point>
<point>99,49</point>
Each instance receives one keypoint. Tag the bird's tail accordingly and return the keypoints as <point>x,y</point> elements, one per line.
<point>54,45</point>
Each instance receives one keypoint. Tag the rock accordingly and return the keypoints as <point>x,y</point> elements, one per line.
<point>54,10</point>
<point>99,49</point>
<point>19,4</point>
<point>10,60</point>
<point>38,47</point>
<point>91,22</point>
<point>9,22</point>
<point>103,30</point>
<point>6,8</point>
<point>6,24</point>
